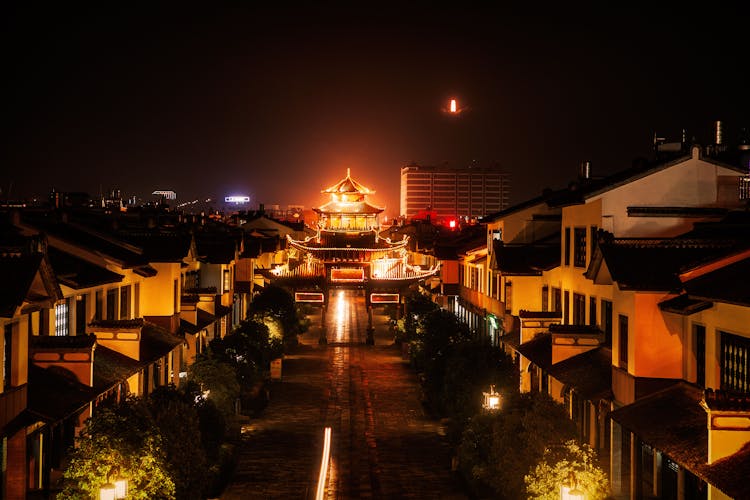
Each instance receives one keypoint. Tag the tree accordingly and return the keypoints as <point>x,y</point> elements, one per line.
<point>275,308</point>
<point>249,349</point>
<point>177,420</point>
<point>561,465</point>
<point>217,380</point>
<point>498,449</point>
<point>119,440</point>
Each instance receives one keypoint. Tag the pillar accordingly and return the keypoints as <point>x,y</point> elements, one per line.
<point>370,329</point>
<point>323,339</point>
<point>636,467</point>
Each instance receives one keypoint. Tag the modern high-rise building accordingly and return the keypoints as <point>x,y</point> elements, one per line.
<point>453,191</point>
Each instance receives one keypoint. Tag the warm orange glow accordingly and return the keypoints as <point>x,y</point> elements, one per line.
<point>454,108</point>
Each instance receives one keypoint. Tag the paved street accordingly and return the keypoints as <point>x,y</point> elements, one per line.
<point>383,446</point>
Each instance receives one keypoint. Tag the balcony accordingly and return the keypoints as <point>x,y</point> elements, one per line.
<point>12,403</point>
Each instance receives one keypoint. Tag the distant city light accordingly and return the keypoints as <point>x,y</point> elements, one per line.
<point>237,199</point>
<point>454,108</point>
<point>169,195</point>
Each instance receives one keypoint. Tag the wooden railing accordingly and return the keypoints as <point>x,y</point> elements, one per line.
<point>12,402</point>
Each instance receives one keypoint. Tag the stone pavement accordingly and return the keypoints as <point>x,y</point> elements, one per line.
<point>383,445</point>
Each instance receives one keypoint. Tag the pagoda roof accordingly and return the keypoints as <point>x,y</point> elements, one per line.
<point>348,207</point>
<point>348,185</point>
<point>359,243</point>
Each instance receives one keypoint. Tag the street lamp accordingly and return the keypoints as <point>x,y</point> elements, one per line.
<point>114,491</point>
<point>571,492</point>
<point>492,399</point>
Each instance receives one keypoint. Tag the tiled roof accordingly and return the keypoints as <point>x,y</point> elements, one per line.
<point>129,324</point>
<point>156,342</point>
<point>111,368</point>
<point>62,341</point>
<point>726,401</point>
<point>348,185</point>
<point>215,248</point>
<point>684,305</point>
<point>20,272</point>
<point>78,273</point>
<point>673,421</point>
<point>538,350</point>
<point>525,260</point>
<point>727,284</point>
<point>54,393</point>
<point>86,238</point>
<point>583,189</point>
<point>653,264</point>
<point>590,373</point>
<point>160,246</point>
<point>359,207</point>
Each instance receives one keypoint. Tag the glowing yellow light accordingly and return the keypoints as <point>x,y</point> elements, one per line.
<point>324,465</point>
<point>454,108</point>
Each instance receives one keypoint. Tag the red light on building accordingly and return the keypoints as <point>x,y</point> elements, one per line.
<point>384,298</point>
<point>309,297</point>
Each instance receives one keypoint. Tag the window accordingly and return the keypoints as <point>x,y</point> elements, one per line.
<point>556,300</point>
<point>566,308</point>
<point>592,311</point>
<point>623,345</point>
<point>227,281</point>
<point>81,315</point>
<point>508,296</point>
<point>112,304</point>
<point>579,309</point>
<point>607,321</point>
<point>61,319</point>
<point>579,247</point>
<point>735,363</point>
<point>99,314</point>
<point>8,356</point>
<point>566,250</point>
<point>175,290</point>
<point>545,298</point>
<point>699,339</point>
<point>125,302</point>
<point>594,238</point>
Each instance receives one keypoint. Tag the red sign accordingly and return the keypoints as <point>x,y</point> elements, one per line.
<point>348,274</point>
<point>309,297</point>
<point>384,298</point>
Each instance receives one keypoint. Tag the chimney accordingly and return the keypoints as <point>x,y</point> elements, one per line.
<point>584,171</point>
<point>728,422</point>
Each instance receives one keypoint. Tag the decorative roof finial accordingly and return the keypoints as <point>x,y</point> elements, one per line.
<point>348,173</point>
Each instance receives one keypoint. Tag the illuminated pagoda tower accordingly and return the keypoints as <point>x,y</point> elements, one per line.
<point>348,252</point>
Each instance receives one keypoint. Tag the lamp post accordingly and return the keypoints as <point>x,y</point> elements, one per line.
<point>114,491</point>
<point>571,491</point>
<point>492,400</point>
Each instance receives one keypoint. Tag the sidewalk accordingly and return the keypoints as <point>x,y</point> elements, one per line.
<point>383,445</point>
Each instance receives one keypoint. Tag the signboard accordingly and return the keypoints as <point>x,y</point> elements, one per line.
<point>237,199</point>
<point>276,369</point>
<point>384,298</point>
<point>309,297</point>
<point>348,274</point>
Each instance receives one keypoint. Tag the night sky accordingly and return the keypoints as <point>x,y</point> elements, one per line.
<point>277,102</point>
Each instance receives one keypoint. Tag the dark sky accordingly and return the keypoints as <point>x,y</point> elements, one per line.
<point>276,102</point>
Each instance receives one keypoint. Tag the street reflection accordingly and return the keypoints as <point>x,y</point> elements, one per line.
<point>342,317</point>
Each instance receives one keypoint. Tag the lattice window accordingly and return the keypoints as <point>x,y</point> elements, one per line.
<point>699,333</point>
<point>735,362</point>
<point>579,247</point>
<point>61,319</point>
